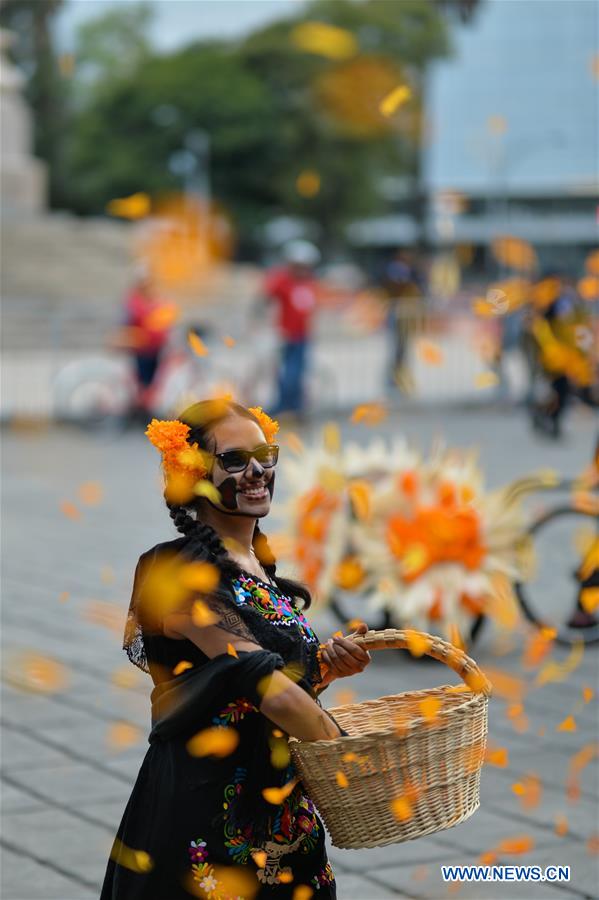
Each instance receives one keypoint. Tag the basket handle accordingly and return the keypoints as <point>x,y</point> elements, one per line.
<point>419,643</point>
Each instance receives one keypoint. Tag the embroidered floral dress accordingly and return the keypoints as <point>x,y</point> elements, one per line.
<point>193,816</point>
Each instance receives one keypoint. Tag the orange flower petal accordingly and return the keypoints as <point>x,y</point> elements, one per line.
<point>568,724</point>
<point>218,741</point>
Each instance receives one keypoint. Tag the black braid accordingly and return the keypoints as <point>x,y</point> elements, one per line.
<point>184,523</point>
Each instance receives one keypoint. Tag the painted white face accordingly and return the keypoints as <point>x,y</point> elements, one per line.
<point>249,492</point>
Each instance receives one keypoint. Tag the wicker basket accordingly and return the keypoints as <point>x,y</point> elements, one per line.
<point>407,768</point>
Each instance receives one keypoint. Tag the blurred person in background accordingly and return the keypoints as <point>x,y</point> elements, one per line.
<point>148,323</point>
<point>403,286</point>
<point>566,354</point>
<point>293,288</point>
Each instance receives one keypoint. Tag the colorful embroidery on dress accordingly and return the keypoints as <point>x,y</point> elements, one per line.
<point>295,827</point>
<point>325,876</point>
<point>203,874</point>
<point>273,605</point>
<point>234,712</point>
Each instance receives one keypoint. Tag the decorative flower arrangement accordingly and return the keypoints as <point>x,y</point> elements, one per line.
<point>418,536</point>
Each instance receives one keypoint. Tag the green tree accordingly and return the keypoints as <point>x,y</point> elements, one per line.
<point>113,46</point>
<point>125,137</point>
<point>327,108</point>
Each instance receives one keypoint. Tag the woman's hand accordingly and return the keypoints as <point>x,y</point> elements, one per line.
<point>343,657</point>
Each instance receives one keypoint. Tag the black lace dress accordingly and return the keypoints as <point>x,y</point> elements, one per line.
<point>196,818</point>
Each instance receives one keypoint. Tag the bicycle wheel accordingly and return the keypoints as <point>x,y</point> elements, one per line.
<point>551,596</point>
<point>93,393</point>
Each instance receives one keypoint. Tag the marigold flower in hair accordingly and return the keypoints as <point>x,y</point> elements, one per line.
<point>269,426</point>
<point>170,438</point>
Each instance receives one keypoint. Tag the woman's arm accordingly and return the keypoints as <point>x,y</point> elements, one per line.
<point>284,703</point>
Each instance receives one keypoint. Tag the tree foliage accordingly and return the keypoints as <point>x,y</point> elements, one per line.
<point>274,108</point>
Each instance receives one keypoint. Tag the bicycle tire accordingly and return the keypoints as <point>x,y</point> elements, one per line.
<point>566,635</point>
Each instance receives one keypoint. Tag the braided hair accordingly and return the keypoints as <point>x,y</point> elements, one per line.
<point>203,542</point>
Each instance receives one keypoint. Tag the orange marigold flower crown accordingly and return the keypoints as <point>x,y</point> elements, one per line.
<point>170,438</point>
<point>269,426</point>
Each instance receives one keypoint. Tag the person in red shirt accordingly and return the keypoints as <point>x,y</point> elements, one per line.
<point>148,321</point>
<point>293,288</point>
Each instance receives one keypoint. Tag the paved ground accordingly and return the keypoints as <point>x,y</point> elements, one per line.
<point>69,762</point>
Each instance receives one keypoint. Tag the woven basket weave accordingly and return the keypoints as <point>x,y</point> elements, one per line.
<point>425,757</point>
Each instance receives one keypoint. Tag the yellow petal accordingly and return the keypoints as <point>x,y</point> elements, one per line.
<point>396,98</point>
<point>217,741</point>
<point>200,576</point>
<point>197,344</point>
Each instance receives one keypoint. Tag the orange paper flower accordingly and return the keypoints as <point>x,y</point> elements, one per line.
<point>269,426</point>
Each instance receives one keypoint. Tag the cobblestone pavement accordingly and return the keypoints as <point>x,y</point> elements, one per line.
<point>68,765</point>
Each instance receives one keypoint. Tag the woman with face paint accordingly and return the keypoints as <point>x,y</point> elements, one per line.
<point>217,810</point>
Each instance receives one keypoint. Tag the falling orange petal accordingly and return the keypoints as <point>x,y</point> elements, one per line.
<point>205,488</point>
<point>429,707</point>
<point>123,734</point>
<point>108,615</point>
<point>587,694</point>
<point>486,380</point>
<point>344,696</point>
<point>417,643</point>
<point>37,673</point>
<point>276,795</point>
<point>202,615</point>
<point>394,99</point>
<point>538,646</point>
<point>568,724</point>
<point>529,791</point>
<point>259,857</point>
<point>516,845</point>
<point>69,510</point>
<point>369,413</point>
<point>64,597</point>
<point>218,741</point>
<point>182,667</point>
<point>430,353</point>
<point>199,576</point>
<point>197,344</point>
<point>589,599</point>
<point>125,677</point>
<point>294,443</point>
<point>136,860</point>
<point>497,757</point>
<point>285,876</point>
<point>232,651</point>
<point>229,341</point>
<point>401,809</point>
<point>420,873</point>
<point>90,493</point>
<point>561,825</point>
<point>341,779</point>
<point>559,671</point>
<point>505,685</point>
<point>593,844</point>
<point>302,892</point>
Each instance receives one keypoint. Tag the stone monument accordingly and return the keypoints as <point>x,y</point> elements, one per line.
<point>23,178</point>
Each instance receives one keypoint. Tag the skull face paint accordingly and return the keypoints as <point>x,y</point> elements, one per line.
<point>247,493</point>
